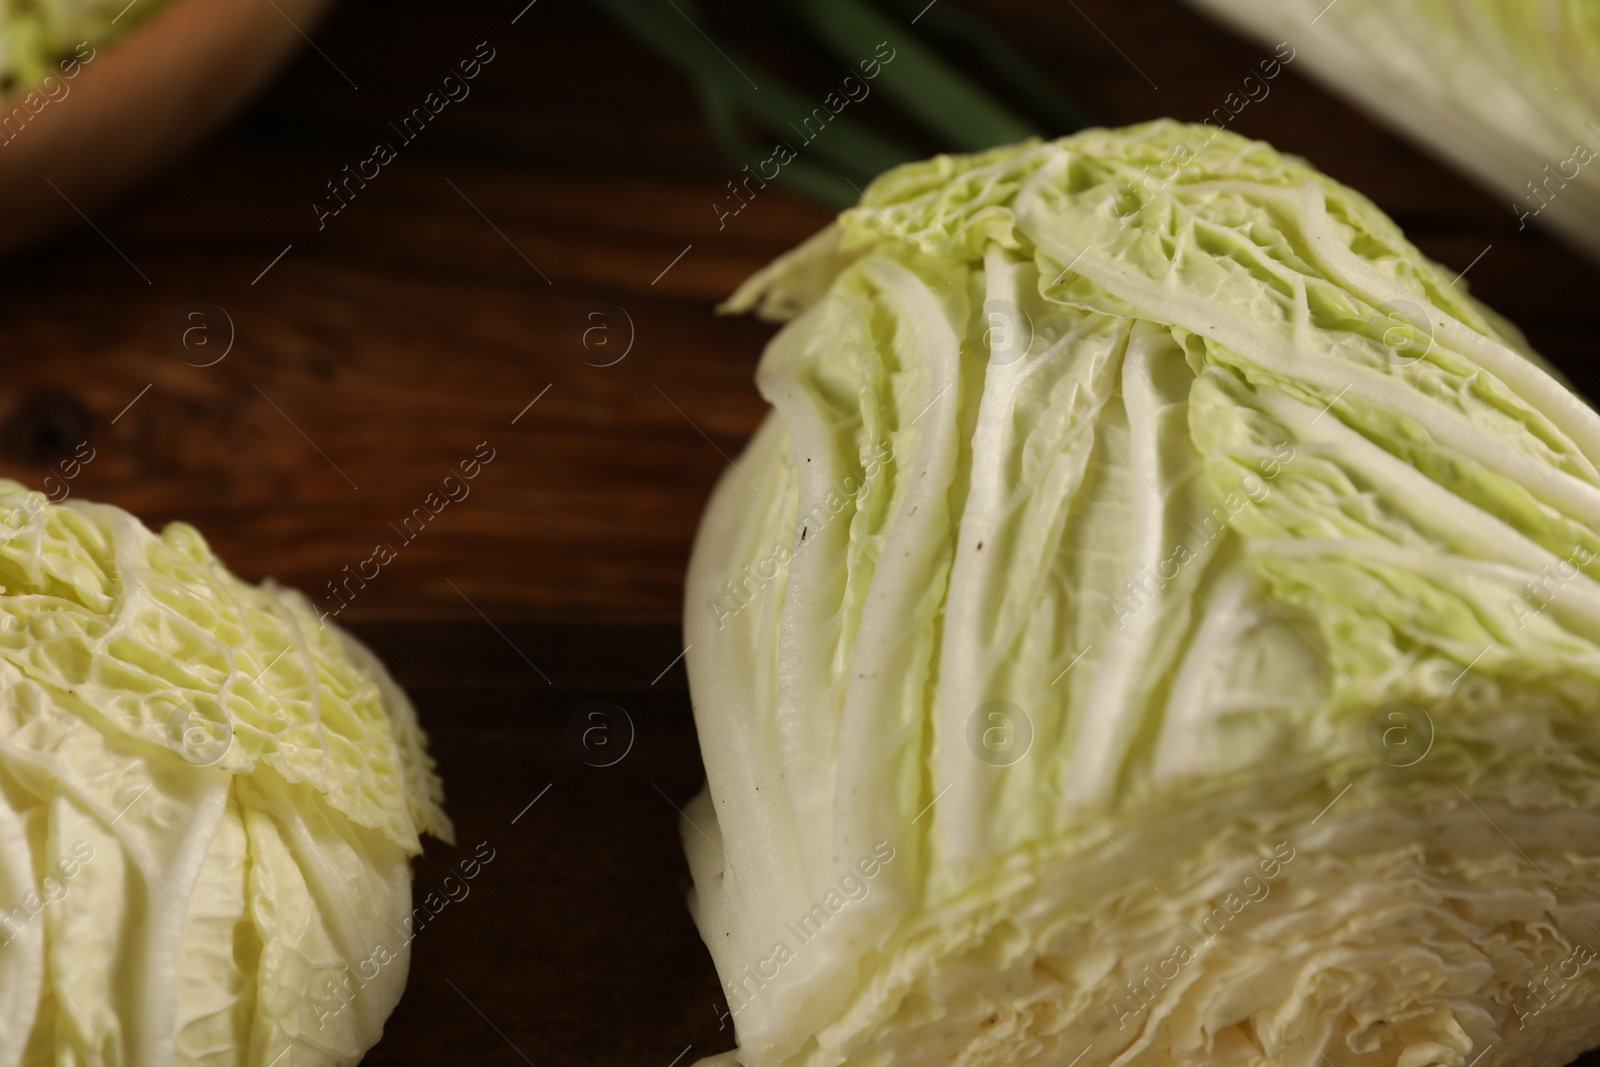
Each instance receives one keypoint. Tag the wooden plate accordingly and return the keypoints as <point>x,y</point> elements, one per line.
<point>136,104</point>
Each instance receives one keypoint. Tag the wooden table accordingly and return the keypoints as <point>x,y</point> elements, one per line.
<point>373,353</point>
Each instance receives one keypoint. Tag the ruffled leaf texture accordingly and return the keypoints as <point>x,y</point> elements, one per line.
<point>1260,498</point>
<point>208,802</point>
<point>1507,91</point>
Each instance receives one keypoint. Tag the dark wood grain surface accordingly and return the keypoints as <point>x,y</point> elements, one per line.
<point>372,355</point>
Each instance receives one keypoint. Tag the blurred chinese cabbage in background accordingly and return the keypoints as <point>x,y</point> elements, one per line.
<point>1506,90</point>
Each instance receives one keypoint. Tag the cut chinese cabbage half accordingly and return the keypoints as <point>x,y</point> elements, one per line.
<point>208,802</point>
<point>1156,625</point>
<point>1506,90</point>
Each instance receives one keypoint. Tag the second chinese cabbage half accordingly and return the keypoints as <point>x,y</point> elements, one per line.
<point>1157,624</point>
<point>1506,90</point>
